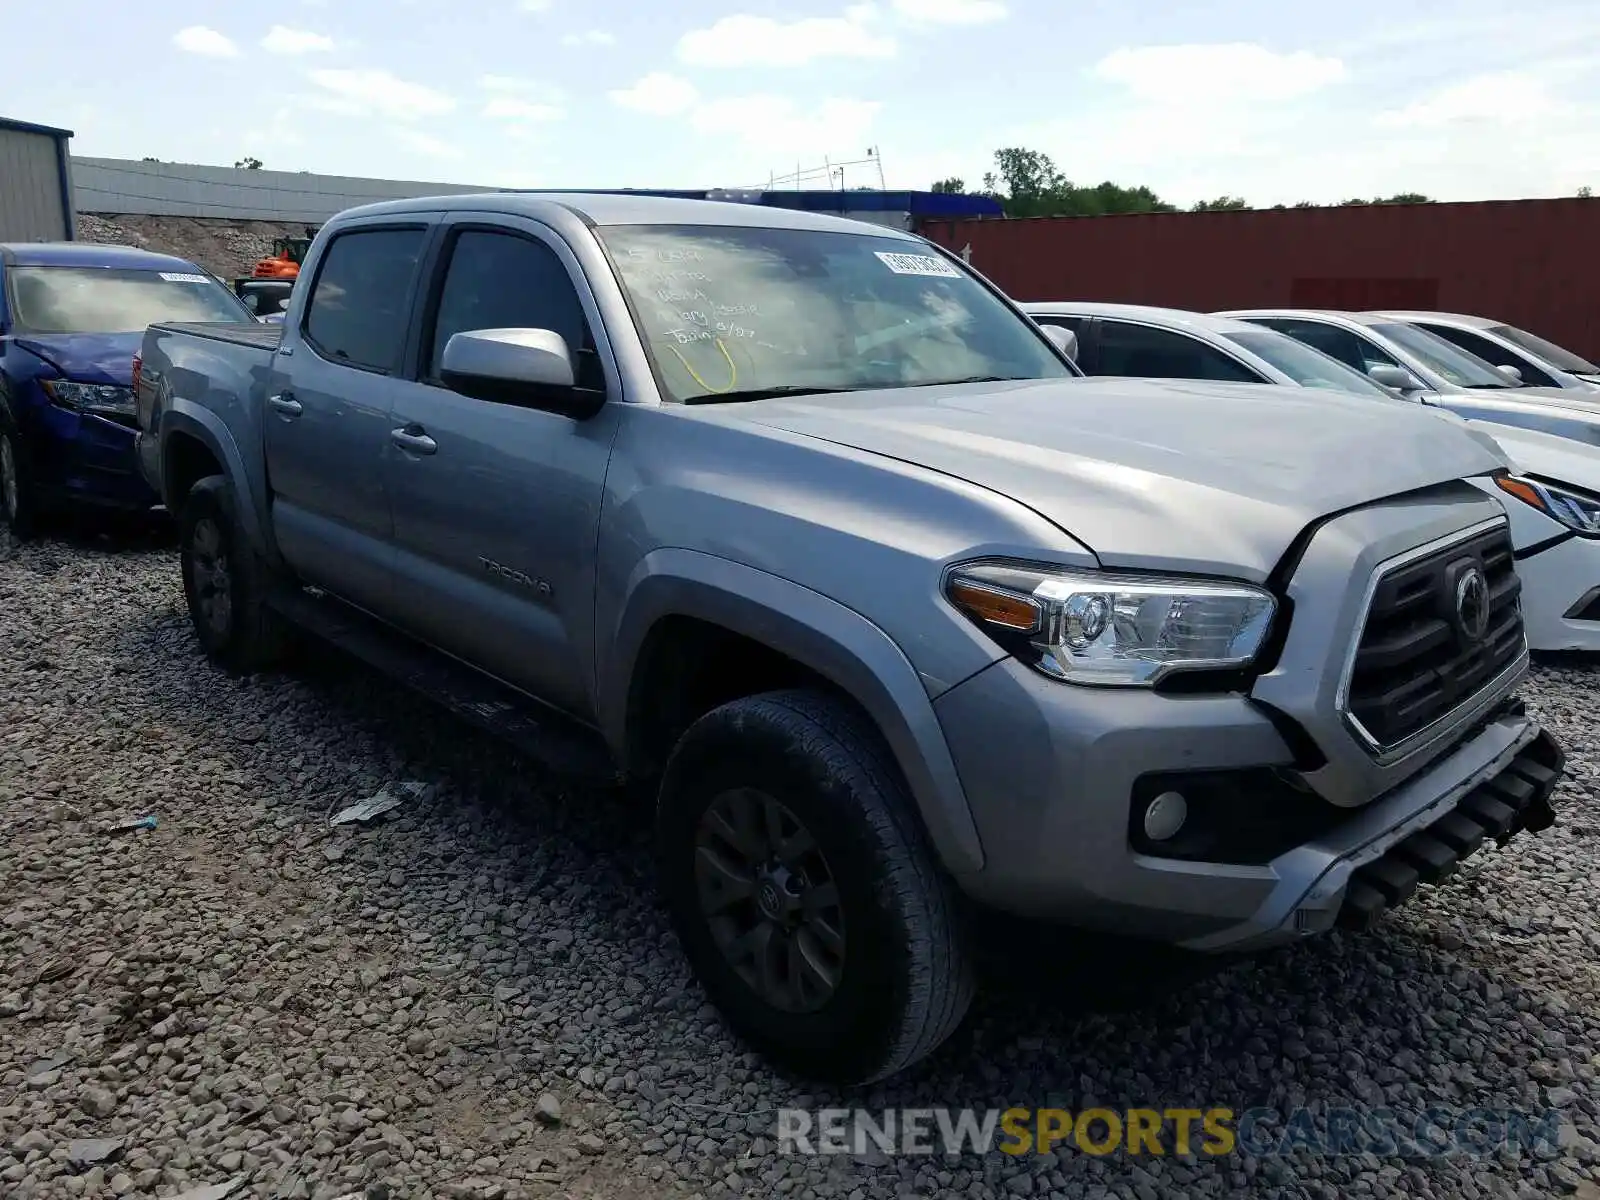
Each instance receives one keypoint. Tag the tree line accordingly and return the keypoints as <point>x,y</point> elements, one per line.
<point>1028,184</point>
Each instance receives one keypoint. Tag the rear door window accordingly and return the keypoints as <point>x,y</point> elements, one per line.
<point>358,309</point>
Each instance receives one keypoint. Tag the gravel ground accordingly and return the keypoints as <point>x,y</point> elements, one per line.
<point>475,996</point>
<point>228,248</point>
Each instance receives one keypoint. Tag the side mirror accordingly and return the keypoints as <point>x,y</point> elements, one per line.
<point>532,368</point>
<point>252,301</point>
<point>1064,340</point>
<point>1511,373</point>
<point>1390,376</point>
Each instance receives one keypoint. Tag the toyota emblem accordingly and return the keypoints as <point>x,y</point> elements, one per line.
<point>1472,604</point>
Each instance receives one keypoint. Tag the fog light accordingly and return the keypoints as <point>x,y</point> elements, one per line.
<point>1165,816</point>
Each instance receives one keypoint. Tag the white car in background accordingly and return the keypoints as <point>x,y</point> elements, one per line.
<point>1539,363</point>
<point>1423,366</point>
<point>1552,496</point>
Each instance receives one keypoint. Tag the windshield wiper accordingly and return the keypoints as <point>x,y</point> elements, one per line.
<point>766,393</point>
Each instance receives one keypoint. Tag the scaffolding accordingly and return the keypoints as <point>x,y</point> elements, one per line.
<point>831,170</point>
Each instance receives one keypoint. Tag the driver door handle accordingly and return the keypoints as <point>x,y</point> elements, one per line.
<point>414,439</point>
<point>285,404</point>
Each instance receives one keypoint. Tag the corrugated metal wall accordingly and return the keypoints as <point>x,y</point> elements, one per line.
<point>1529,262</point>
<point>32,208</point>
<point>116,185</point>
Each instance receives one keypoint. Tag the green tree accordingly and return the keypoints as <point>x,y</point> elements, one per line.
<point>954,186</point>
<point>1585,192</point>
<point>1028,184</point>
<point>1404,198</point>
<point>249,164</point>
<point>1222,204</point>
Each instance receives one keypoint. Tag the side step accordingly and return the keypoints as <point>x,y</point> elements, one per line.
<point>1516,800</point>
<point>559,743</point>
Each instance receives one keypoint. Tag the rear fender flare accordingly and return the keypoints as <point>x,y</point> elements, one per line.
<point>184,417</point>
<point>836,642</point>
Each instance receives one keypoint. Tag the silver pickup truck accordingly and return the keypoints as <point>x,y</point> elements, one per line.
<point>908,627</point>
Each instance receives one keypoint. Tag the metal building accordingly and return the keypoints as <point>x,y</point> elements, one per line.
<point>35,183</point>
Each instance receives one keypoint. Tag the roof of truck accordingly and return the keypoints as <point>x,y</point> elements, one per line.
<point>613,209</point>
<point>89,254</point>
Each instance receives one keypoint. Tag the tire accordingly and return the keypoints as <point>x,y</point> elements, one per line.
<point>19,501</point>
<point>225,583</point>
<point>902,980</point>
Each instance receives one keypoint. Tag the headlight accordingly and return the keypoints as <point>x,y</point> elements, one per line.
<point>1576,510</point>
<point>91,397</point>
<point>1114,630</point>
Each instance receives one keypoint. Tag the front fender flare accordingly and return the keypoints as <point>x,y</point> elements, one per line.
<point>194,420</point>
<point>835,641</point>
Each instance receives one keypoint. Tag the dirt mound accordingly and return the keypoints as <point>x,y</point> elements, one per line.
<point>228,248</point>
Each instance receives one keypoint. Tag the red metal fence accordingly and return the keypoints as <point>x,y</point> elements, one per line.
<point>1532,263</point>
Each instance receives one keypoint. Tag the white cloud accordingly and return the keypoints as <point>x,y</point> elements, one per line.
<point>1499,98</point>
<point>366,91</point>
<point>199,39</point>
<point>590,37</point>
<point>781,126</point>
<point>510,108</point>
<point>1217,73</point>
<point>659,94</point>
<point>280,39</point>
<point>425,143</point>
<point>534,6</point>
<point>743,40</point>
<point>950,12</point>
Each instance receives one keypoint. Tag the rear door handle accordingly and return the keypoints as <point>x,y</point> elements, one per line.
<point>285,404</point>
<point>414,439</point>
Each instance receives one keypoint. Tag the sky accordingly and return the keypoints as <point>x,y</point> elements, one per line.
<point>1461,100</point>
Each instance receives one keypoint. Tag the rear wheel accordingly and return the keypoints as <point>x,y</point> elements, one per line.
<point>225,583</point>
<point>18,500</point>
<point>804,892</point>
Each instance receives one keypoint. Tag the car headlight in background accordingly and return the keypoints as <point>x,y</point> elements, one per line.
<point>1576,510</point>
<point>103,398</point>
<point>1113,630</point>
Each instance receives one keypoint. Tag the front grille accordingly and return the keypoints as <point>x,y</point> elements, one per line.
<point>1417,660</point>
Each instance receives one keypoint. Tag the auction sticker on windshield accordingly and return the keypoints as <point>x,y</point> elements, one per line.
<point>183,277</point>
<point>918,264</point>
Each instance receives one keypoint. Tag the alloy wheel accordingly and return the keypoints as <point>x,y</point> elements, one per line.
<point>213,584</point>
<point>770,900</point>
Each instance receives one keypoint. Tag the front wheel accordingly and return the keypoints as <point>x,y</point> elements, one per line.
<point>225,583</point>
<point>803,890</point>
<point>19,504</point>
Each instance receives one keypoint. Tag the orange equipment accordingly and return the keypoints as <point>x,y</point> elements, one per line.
<point>287,255</point>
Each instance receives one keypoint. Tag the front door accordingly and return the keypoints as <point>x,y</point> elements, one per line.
<point>327,412</point>
<point>497,506</point>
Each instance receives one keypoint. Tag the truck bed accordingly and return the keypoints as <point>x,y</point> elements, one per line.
<point>258,337</point>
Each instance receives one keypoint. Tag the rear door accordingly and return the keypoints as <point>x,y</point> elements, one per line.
<point>327,419</point>
<point>495,518</point>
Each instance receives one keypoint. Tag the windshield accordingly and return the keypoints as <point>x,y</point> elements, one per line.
<point>738,312</point>
<point>1307,367</point>
<point>1446,360</point>
<point>1561,360</point>
<point>98,300</point>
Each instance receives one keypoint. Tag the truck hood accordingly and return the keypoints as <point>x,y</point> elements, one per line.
<point>86,357</point>
<point>1153,474</point>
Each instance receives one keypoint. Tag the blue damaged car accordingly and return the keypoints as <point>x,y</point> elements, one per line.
<point>71,319</point>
